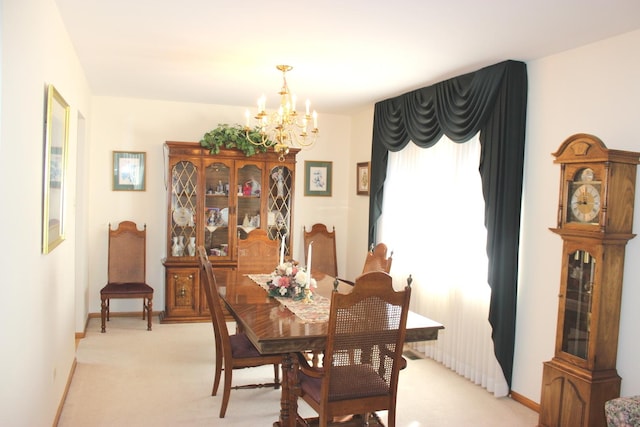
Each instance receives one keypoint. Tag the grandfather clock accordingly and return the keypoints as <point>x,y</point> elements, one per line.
<point>595,221</point>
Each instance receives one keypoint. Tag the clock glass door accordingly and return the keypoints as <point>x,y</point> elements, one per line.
<point>577,307</point>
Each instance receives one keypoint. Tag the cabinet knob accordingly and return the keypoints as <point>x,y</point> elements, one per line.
<point>175,277</point>
<point>191,276</point>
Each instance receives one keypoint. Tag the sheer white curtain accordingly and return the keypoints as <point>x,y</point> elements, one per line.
<point>433,220</point>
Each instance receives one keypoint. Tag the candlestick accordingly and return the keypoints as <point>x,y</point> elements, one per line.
<point>309,265</point>
<point>282,249</point>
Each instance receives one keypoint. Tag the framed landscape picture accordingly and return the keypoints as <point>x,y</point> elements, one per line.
<point>128,171</point>
<point>362,179</point>
<point>317,178</point>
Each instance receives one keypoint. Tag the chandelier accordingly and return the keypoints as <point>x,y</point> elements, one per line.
<point>284,128</point>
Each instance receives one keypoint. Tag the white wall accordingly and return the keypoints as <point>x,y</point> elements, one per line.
<point>125,124</point>
<point>44,302</point>
<point>593,89</point>
<point>37,323</point>
<point>361,137</point>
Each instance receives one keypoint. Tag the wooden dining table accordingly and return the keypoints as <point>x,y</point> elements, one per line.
<point>274,329</point>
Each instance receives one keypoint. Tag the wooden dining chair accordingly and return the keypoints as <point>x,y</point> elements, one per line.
<point>257,253</point>
<point>363,355</point>
<point>324,249</point>
<point>376,260</point>
<point>232,351</point>
<point>126,270</point>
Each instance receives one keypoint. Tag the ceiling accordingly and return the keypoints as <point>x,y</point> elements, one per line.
<point>346,54</point>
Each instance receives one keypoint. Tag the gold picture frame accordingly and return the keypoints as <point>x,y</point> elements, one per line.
<point>362,178</point>
<point>129,170</point>
<point>55,169</point>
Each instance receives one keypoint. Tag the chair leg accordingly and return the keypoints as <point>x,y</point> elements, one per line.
<point>103,314</point>
<point>391,417</point>
<point>227,389</point>
<point>216,379</point>
<point>276,376</point>
<point>149,311</point>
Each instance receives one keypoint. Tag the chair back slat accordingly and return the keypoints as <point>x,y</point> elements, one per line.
<point>324,249</point>
<point>210,286</point>
<point>257,253</point>
<point>127,254</point>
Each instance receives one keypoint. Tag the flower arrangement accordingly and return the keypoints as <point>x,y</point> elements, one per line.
<point>290,281</point>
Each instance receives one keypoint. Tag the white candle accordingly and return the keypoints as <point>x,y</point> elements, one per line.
<point>309,265</point>
<point>246,114</point>
<point>315,119</point>
<point>282,250</point>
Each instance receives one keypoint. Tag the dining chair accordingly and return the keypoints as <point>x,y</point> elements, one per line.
<point>126,270</point>
<point>232,351</point>
<point>376,260</point>
<point>324,249</point>
<point>257,253</point>
<point>370,324</point>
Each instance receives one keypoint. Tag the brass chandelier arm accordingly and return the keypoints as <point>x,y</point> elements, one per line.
<point>284,128</point>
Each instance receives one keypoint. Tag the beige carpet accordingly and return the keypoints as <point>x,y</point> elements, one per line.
<point>132,377</point>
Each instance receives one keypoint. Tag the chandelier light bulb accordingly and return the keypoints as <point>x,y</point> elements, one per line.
<point>282,129</point>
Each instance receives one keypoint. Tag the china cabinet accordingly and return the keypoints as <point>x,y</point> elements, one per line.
<point>595,221</point>
<point>214,200</point>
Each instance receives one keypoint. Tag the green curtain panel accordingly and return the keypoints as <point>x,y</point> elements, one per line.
<point>492,101</point>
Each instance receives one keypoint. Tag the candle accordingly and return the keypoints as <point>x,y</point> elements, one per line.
<point>282,250</point>
<point>307,104</point>
<point>309,265</point>
<point>315,119</point>
<point>246,114</point>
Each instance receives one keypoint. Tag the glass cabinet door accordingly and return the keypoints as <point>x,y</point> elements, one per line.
<point>184,182</point>
<point>577,306</point>
<point>216,209</point>
<point>250,196</point>
<point>279,205</point>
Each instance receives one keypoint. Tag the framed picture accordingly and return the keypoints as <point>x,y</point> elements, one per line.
<point>56,143</point>
<point>362,180</point>
<point>128,171</point>
<point>317,178</point>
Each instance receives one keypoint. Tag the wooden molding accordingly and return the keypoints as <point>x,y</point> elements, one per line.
<point>525,401</point>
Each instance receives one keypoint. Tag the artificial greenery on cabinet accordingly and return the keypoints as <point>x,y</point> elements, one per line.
<point>233,136</point>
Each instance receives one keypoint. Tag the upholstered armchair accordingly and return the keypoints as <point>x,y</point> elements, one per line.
<point>623,412</point>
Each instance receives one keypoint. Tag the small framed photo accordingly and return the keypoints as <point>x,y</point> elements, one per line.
<point>128,171</point>
<point>317,178</point>
<point>362,179</point>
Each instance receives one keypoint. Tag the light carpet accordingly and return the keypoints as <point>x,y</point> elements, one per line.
<point>132,377</point>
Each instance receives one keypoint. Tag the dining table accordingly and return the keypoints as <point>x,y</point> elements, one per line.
<point>287,327</point>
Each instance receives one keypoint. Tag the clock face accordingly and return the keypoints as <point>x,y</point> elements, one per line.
<point>584,202</point>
